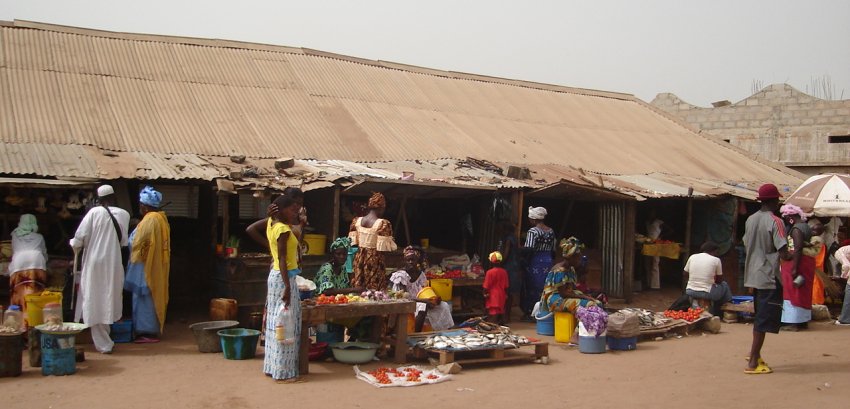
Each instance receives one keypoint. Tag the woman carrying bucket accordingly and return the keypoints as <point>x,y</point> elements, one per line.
<point>560,293</point>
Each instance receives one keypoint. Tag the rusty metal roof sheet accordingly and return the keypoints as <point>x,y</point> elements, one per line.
<point>161,96</point>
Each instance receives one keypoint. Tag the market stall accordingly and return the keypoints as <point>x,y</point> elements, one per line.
<point>396,311</point>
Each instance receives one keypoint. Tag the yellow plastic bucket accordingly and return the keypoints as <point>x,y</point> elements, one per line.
<point>426,293</point>
<point>443,287</point>
<point>36,303</point>
<point>565,325</point>
<point>315,244</point>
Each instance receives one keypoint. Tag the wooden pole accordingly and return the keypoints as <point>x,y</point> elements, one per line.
<point>688,228</point>
<point>629,230</point>
<point>404,218</point>
<point>225,218</point>
<point>336,216</point>
<point>519,210</point>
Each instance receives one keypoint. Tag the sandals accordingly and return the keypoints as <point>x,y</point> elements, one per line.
<point>146,340</point>
<point>759,370</point>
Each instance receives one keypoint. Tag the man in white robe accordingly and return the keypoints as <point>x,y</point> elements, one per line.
<point>99,300</point>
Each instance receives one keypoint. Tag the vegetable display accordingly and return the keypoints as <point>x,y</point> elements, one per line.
<point>402,376</point>
<point>691,315</point>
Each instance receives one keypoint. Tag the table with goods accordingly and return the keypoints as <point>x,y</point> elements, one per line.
<point>395,306</point>
<point>465,291</point>
<point>478,341</point>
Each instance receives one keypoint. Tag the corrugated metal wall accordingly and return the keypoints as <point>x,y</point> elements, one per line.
<point>611,225</point>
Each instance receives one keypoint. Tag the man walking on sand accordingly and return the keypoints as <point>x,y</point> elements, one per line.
<point>100,236</point>
<point>764,238</point>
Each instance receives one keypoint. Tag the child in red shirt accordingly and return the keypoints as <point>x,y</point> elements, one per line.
<point>496,289</point>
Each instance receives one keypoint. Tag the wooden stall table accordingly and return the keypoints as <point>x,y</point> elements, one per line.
<point>319,314</point>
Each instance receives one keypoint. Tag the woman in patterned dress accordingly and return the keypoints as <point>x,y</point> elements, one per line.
<point>560,293</point>
<point>281,360</point>
<point>374,237</point>
<point>540,240</point>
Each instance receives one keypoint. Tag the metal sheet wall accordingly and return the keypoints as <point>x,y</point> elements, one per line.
<point>611,224</point>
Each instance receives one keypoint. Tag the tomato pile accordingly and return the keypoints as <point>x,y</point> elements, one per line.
<point>444,274</point>
<point>332,299</point>
<point>691,315</point>
<point>383,375</point>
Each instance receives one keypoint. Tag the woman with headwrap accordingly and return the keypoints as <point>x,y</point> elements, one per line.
<point>332,278</point>
<point>28,274</point>
<point>374,237</point>
<point>798,271</point>
<point>149,267</point>
<point>412,279</point>
<point>560,293</point>
<point>540,241</point>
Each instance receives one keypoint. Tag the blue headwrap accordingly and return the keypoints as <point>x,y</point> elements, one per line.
<point>150,197</point>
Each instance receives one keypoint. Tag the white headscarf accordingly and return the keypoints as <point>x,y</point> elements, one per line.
<point>536,213</point>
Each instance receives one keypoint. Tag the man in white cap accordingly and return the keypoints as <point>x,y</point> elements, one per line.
<point>100,236</point>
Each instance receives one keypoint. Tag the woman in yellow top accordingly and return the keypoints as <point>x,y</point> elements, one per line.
<point>281,360</point>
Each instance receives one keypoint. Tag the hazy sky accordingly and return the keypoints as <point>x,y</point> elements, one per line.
<point>703,51</point>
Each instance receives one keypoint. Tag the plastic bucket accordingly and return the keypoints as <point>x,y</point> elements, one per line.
<point>592,345</point>
<point>11,355</point>
<point>239,343</point>
<point>36,303</point>
<point>426,293</point>
<point>565,326</point>
<point>545,321</point>
<point>58,356</point>
<point>206,334</point>
<point>443,287</point>
<point>622,344</point>
<point>315,244</point>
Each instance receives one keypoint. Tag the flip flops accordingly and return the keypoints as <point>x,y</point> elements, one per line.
<point>759,370</point>
<point>146,340</point>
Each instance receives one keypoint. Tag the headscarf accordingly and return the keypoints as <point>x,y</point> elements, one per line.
<point>495,257</point>
<point>26,225</point>
<point>150,197</point>
<point>570,246</point>
<point>789,209</point>
<point>536,213</point>
<point>341,243</point>
<point>422,259</point>
<point>377,201</point>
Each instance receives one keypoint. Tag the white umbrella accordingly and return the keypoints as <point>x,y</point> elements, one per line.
<point>824,195</point>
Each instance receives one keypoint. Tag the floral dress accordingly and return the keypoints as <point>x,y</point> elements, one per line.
<point>369,270</point>
<point>552,301</point>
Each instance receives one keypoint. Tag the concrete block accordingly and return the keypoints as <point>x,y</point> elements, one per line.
<point>843,112</point>
<point>808,121</point>
<point>752,102</point>
<point>814,113</point>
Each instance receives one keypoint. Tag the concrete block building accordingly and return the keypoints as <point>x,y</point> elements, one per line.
<point>779,123</point>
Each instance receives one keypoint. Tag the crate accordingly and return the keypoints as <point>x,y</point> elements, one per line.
<point>121,332</point>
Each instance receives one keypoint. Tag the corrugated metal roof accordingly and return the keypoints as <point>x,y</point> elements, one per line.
<point>164,95</point>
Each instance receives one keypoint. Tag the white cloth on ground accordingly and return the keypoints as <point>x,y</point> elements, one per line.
<point>99,300</point>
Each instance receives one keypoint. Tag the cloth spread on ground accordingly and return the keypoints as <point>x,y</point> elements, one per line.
<point>424,376</point>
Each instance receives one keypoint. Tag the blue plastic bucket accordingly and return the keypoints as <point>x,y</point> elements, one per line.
<point>545,321</point>
<point>58,356</point>
<point>239,343</point>
<point>622,344</point>
<point>592,345</point>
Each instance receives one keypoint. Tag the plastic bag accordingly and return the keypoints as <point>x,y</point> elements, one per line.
<point>284,326</point>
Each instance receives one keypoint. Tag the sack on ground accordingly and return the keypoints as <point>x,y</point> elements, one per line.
<point>623,325</point>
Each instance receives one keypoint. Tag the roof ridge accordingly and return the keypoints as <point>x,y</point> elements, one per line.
<point>223,43</point>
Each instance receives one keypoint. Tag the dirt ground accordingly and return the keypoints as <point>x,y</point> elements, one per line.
<point>812,369</point>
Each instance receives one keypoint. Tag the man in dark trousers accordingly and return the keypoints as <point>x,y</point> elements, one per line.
<point>765,241</point>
